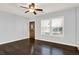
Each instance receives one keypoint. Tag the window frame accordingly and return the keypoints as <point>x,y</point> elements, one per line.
<point>50,27</point>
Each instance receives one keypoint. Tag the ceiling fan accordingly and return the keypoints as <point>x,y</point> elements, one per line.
<point>32,8</point>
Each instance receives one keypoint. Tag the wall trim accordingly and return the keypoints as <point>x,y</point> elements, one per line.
<point>58,42</point>
<point>11,41</point>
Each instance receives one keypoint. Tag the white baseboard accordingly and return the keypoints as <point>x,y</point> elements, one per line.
<point>59,42</point>
<point>42,40</point>
<point>11,41</point>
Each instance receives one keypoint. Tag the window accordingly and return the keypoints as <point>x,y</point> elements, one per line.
<point>45,27</point>
<point>57,26</point>
<point>54,26</point>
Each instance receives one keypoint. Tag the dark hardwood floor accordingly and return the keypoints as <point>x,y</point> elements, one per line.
<point>24,47</point>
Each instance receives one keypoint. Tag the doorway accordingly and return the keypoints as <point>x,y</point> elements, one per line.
<point>32,31</point>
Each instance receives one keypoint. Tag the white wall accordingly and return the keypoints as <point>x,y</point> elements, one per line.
<point>12,27</point>
<point>69,27</point>
<point>78,26</point>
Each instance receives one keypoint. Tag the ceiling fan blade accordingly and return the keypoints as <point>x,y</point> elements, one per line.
<point>24,7</point>
<point>39,9</point>
<point>26,11</point>
<point>34,12</point>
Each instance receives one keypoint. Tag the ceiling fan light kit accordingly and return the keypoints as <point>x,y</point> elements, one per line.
<point>32,8</point>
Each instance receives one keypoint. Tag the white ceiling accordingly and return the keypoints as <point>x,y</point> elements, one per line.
<point>47,7</point>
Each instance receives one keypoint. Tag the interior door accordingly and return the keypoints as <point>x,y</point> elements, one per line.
<point>32,30</point>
